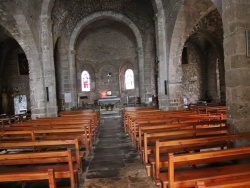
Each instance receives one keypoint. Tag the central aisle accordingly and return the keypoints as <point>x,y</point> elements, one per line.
<point>114,161</point>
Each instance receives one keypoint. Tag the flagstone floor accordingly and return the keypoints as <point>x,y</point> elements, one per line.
<point>114,161</point>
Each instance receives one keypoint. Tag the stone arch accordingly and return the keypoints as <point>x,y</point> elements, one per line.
<point>178,39</point>
<point>25,38</point>
<point>210,29</point>
<point>113,16</point>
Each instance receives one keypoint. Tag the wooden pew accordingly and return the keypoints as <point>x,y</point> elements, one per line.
<point>54,168</point>
<point>150,138</point>
<point>153,128</point>
<point>127,116</point>
<point>93,127</point>
<point>77,112</point>
<point>132,110</point>
<point>190,144</point>
<point>169,118</point>
<point>92,116</point>
<point>54,123</point>
<point>242,181</point>
<point>81,134</point>
<point>46,145</point>
<point>177,179</point>
<point>173,134</point>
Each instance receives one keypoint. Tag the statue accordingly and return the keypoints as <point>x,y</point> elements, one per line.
<point>4,102</point>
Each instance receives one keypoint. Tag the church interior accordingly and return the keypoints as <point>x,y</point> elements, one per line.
<point>136,92</point>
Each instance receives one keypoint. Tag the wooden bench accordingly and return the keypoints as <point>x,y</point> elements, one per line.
<point>89,121</point>
<point>81,134</point>
<point>54,167</point>
<point>128,115</point>
<point>150,138</point>
<point>241,181</point>
<point>173,118</point>
<point>154,128</point>
<point>180,178</point>
<point>167,135</point>
<point>46,145</point>
<point>190,144</point>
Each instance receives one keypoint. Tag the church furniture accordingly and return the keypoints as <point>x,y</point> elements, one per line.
<point>187,178</point>
<point>174,131</point>
<point>167,117</point>
<point>239,181</point>
<point>109,101</point>
<point>150,138</point>
<point>38,166</point>
<point>152,127</point>
<point>187,145</point>
<point>149,149</point>
<point>132,110</point>
<point>41,134</point>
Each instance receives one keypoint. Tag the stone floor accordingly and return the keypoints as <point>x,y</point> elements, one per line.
<point>114,162</point>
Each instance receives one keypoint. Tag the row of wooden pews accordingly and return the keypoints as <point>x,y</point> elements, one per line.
<point>47,148</point>
<point>188,148</point>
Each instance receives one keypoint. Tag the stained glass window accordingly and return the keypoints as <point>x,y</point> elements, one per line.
<point>129,79</point>
<point>85,81</point>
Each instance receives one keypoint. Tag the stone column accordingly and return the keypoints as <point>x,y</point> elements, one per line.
<point>73,84</point>
<point>141,74</point>
<point>48,66</point>
<point>162,59</point>
<point>237,67</point>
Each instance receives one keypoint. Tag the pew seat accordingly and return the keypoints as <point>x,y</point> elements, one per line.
<point>39,165</point>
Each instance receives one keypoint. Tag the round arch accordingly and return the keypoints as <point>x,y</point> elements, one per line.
<point>178,39</point>
<point>24,36</point>
<point>113,16</point>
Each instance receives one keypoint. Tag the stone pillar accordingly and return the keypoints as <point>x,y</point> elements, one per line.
<point>237,70</point>
<point>73,84</point>
<point>27,42</point>
<point>162,59</point>
<point>48,66</point>
<point>141,74</point>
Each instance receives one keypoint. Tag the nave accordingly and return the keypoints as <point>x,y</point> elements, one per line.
<point>113,160</point>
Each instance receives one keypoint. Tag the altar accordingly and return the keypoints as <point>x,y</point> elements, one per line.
<point>109,100</point>
<point>110,105</point>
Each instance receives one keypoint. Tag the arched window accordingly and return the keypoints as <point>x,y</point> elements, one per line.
<point>129,79</point>
<point>85,81</point>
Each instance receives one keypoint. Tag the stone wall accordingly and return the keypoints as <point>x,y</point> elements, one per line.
<point>192,76</point>
<point>235,21</point>
<point>65,19</point>
<point>15,83</point>
<point>194,18</point>
<point>67,15</point>
<point>150,69</point>
<point>61,71</point>
<point>102,48</point>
